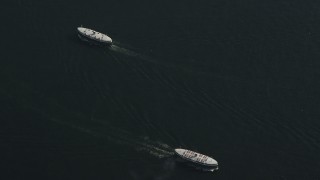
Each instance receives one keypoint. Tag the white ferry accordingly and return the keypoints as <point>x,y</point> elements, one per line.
<point>200,160</point>
<point>95,37</point>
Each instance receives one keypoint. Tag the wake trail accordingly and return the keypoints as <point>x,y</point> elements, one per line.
<point>125,51</point>
<point>122,137</point>
<point>95,128</point>
<point>118,48</point>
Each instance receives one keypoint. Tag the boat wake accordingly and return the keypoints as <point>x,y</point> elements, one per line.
<point>116,135</point>
<point>119,48</point>
<point>139,143</point>
<point>125,51</point>
<point>131,53</point>
<point>96,127</point>
<point>156,148</point>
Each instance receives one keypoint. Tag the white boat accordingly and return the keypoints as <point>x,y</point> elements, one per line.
<point>95,37</point>
<point>202,161</point>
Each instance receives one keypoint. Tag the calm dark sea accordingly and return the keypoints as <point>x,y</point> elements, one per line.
<point>236,80</point>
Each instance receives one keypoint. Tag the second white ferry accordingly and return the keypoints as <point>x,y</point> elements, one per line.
<point>197,159</point>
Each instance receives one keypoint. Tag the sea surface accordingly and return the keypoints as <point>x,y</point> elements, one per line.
<point>236,80</point>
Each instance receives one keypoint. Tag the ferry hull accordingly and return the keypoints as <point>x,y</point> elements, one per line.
<point>91,41</point>
<point>93,37</point>
<point>196,160</point>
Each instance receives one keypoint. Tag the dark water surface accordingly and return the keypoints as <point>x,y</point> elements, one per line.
<point>236,80</point>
